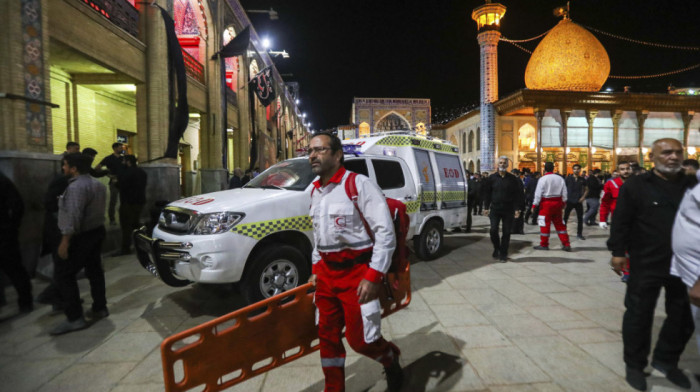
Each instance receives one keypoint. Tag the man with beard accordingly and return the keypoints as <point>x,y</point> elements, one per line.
<point>350,257</point>
<point>641,227</point>
<point>611,190</point>
<point>504,198</point>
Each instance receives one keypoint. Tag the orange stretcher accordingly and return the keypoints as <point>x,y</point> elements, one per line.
<point>250,341</point>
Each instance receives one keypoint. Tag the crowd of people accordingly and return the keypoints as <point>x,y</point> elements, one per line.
<point>75,203</point>
<point>654,222</point>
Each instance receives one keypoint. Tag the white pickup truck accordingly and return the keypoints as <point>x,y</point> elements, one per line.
<point>261,235</point>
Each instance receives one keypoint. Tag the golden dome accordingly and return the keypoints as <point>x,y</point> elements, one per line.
<point>568,58</point>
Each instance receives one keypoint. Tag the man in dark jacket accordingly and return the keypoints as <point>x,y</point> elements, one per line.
<point>503,200</point>
<point>641,226</point>
<point>577,193</point>
<point>530,197</point>
<point>595,186</point>
<point>132,195</point>
<point>471,200</point>
<point>11,211</point>
<point>236,180</point>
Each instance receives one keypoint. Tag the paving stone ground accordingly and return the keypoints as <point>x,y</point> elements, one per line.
<point>544,321</point>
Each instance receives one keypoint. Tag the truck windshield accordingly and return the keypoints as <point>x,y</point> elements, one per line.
<point>293,174</point>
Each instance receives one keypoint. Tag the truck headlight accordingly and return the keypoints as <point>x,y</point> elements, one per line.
<point>218,222</point>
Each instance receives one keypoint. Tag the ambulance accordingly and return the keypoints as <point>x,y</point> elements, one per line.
<point>260,236</point>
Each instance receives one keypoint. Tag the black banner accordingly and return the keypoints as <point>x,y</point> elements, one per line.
<point>178,112</point>
<point>261,84</point>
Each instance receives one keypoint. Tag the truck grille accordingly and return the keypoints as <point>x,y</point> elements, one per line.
<point>177,220</point>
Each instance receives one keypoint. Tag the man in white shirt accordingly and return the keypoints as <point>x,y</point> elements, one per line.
<point>550,195</point>
<point>349,264</point>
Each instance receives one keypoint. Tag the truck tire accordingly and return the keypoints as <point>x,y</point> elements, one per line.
<point>428,243</point>
<point>274,270</point>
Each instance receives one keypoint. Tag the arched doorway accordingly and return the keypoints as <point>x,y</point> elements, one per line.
<point>471,166</point>
<point>392,122</point>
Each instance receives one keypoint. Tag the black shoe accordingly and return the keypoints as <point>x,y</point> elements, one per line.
<point>580,237</point>
<point>26,308</point>
<point>503,259</point>
<point>495,254</point>
<point>673,374</point>
<point>566,249</point>
<point>468,231</point>
<point>394,376</point>
<point>96,315</point>
<point>540,247</point>
<point>636,378</point>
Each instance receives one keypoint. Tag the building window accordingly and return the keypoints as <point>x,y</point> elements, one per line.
<point>464,144</point>
<point>471,141</point>
<point>478,139</point>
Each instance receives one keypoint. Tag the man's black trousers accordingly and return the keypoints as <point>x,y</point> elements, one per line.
<point>11,265</point>
<point>640,301</point>
<point>129,217</point>
<point>471,209</point>
<point>506,220</point>
<point>84,252</point>
<point>579,214</point>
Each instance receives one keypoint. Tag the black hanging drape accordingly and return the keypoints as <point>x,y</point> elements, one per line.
<point>236,47</point>
<point>177,88</point>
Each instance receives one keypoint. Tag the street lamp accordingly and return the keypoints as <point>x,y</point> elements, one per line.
<point>272,13</point>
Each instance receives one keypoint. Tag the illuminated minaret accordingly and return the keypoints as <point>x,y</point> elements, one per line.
<point>488,22</point>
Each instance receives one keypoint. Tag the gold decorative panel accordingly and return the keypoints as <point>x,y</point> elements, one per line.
<point>568,58</point>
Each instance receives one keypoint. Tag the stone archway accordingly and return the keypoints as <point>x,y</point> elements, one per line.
<point>392,122</point>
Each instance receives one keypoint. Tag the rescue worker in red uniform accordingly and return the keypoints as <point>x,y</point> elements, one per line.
<point>550,195</point>
<point>608,202</point>
<point>348,266</point>
<point>611,190</point>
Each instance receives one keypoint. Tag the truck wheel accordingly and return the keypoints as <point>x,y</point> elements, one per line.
<point>429,243</point>
<point>275,270</point>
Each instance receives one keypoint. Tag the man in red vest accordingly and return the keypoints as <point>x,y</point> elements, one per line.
<point>349,264</point>
<point>611,190</point>
<point>551,195</point>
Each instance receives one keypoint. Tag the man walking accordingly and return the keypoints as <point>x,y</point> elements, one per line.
<point>503,199</point>
<point>530,197</point>
<point>595,186</point>
<point>641,227</point>
<point>11,212</point>
<point>576,193</point>
<point>471,200</point>
<point>132,195</point>
<point>349,263</point>
<point>81,221</point>
<point>550,196</point>
<point>611,190</point>
<point>115,165</point>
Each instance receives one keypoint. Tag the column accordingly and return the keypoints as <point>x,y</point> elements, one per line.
<point>687,118</point>
<point>590,117</point>
<point>616,115</point>
<point>539,115</point>
<point>641,117</point>
<point>565,114</point>
<point>488,42</point>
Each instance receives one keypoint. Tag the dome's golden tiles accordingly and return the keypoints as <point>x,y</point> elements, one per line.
<point>568,58</point>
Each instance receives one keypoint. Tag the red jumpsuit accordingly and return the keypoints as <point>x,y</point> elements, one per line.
<point>550,195</point>
<point>345,254</point>
<point>611,190</point>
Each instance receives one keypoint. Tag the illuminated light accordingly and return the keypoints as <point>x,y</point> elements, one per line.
<point>609,89</point>
<point>532,145</point>
<point>692,150</point>
<point>618,150</point>
<point>569,58</point>
<point>645,150</point>
<point>593,150</point>
<point>691,92</point>
<point>568,150</point>
<point>266,43</point>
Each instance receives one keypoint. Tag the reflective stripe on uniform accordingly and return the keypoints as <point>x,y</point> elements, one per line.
<point>344,246</point>
<point>544,235</point>
<point>561,232</point>
<point>333,362</point>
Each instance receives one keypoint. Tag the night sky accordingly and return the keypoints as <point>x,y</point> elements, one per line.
<point>428,49</point>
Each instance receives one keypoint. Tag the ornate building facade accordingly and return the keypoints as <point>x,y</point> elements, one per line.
<point>96,72</point>
<point>372,115</point>
<point>562,116</point>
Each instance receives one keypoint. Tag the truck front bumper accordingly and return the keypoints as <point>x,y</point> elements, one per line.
<point>159,257</point>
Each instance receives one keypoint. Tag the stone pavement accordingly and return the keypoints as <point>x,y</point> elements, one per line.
<point>544,321</point>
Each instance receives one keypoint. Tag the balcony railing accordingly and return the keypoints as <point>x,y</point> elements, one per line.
<point>194,68</point>
<point>120,12</point>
